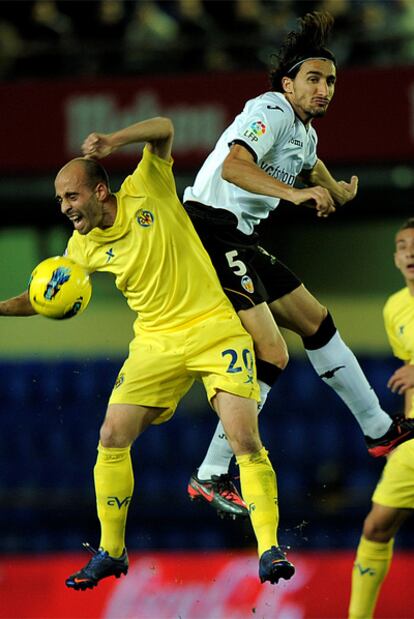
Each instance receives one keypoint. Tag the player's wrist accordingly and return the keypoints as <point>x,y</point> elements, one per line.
<point>293,195</point>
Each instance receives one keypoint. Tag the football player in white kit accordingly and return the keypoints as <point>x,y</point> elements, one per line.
<point>254,165</point>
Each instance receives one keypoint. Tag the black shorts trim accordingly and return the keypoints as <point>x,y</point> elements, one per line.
<point>239,298</point>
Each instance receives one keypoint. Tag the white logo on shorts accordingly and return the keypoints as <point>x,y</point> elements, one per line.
<point>247,283</point>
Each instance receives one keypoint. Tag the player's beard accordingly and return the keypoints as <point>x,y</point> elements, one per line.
<point>92,215</point>
<point>318,113</point>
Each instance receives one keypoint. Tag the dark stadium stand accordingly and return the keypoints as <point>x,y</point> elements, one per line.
<point>48,435</point>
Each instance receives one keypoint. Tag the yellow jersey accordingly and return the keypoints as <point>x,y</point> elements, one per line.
<point>152,249</point>
<point>399,326</point>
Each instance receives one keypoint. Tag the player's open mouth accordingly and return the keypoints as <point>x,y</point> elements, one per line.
<point>76,220</point>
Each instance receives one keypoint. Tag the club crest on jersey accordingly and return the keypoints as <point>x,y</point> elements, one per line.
<point>145,218</point>
<point>256,129</point>
<point>247,283</point>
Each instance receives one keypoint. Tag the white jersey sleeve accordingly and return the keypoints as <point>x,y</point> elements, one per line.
<point>263,123</point>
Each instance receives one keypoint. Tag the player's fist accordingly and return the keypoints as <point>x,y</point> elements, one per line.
<point>97,145</point>
<point>347,191</point>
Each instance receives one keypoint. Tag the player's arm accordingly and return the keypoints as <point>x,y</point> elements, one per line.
<point>240,168</point>
<point>341,191</point>
<point>157,132</point>
<point>402,380</point>
<point>17,306</point>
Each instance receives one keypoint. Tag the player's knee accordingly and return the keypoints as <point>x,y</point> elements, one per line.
<point>314,324</point>
<point>275,353</point>
<point>114,435</point>
<point>375,530</point>
<point>318,332</point>
<point>282,358</point>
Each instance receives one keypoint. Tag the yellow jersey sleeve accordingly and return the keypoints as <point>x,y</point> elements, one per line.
<point>153,176</point>
<point>390,314</point>
<point>399,325</point>
<point>74,250</point>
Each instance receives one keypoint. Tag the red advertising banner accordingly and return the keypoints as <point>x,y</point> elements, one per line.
<point>371,118</point>
<point>202,585</point>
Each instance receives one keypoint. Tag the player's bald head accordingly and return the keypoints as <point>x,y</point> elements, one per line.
<point>89,170</point>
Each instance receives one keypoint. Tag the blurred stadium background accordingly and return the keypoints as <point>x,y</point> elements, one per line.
<point>67,68</point>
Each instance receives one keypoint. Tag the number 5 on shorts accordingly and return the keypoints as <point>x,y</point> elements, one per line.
<point>238,266</point>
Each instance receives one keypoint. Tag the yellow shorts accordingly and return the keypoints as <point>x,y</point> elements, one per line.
<point>162,366</point>
<point>396,485</point>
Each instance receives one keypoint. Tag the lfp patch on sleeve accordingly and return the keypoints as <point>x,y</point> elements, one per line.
<point>255,130</point>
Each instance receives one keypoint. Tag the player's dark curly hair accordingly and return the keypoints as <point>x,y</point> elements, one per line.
<point>307,42</point>
<point>95,173</point>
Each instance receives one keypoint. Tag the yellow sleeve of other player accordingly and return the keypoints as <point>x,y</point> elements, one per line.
<point>392,330</point>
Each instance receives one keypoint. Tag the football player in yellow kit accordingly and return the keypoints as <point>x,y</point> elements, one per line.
<point>393,498</point>
<point>185,329</point>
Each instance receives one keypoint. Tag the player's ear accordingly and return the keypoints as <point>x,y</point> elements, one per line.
<point>287,84</point>
<point>102,191</point>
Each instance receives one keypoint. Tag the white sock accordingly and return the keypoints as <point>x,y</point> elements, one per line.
<point>219,454</point>
<point>264,392</point>
<point>218,457</point>
<point>338,367</point>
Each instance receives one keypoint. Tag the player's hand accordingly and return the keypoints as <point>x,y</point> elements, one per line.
<point>97,146</point>
<point>347,191</point>
<point>402,379</point>
<point>316,197</point>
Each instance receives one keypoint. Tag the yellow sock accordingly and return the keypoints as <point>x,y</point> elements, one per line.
<point>259,490</point>
<point>371,566</point>
<point>114,485</point>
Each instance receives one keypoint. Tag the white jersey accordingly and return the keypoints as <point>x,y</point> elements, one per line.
<point>281,145</point>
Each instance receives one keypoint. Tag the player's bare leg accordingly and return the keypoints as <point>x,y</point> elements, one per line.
<point>258,481</point>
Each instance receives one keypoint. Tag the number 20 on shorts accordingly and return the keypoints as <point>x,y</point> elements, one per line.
<point>234,365</point>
